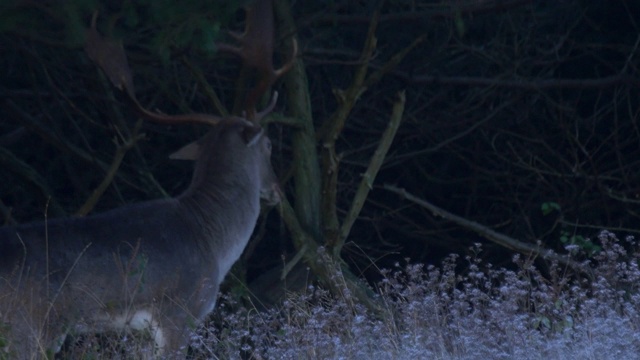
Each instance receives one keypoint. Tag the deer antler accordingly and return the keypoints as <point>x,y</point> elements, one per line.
<point>256,52</point>
<point>110,57</point>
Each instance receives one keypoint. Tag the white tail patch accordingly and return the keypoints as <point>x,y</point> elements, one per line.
<point>141,320</point>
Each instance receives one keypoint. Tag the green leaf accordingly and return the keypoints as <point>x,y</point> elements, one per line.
<point>549,207</point>
<point>459,24</point>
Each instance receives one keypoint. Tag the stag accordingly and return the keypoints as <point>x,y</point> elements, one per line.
<point>154,266</point>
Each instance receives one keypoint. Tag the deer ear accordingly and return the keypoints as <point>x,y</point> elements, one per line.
<point>190,151</point>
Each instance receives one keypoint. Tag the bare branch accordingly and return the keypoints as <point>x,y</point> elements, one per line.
<point>333,127</point>
<point>489,234</point>
<point>121,151</point>
<point>366,184</point>
<point>526,84</point>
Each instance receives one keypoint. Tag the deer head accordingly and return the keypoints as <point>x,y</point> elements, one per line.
<point>76,275</point>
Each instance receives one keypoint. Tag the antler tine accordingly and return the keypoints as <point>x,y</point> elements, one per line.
<point>194,118</point>
<point>266,111</point>
<point>109,55</point>
<point>287,66</point>
<point>256,51</point>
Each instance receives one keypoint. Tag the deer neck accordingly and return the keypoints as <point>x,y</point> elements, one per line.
<point>222,204</point>
<point>215,197</point>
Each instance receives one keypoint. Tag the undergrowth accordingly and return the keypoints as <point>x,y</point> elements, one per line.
<point>436,312</point>
<point>463,308</point>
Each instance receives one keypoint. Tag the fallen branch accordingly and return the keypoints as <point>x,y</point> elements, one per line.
<point>489,234</point>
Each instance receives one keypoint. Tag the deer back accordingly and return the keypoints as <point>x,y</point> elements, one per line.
<point>164,257</point>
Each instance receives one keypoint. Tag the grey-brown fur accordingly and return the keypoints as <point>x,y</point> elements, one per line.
<point>159,263</point>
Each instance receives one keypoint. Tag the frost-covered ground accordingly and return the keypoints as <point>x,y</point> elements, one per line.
<point>435,313</point>
<point>461,309</point>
